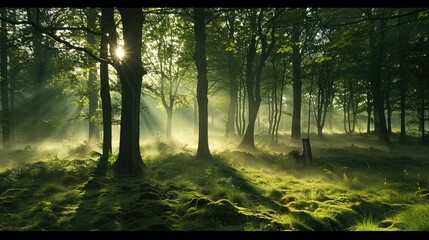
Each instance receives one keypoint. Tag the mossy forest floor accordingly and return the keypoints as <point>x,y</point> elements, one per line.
<point>353,185</point>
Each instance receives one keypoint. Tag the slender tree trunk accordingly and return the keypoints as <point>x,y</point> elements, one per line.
<point>253,81</point>
<point>106,102</point>
<point>130,70</point>
<point>169,121</point>
<point>273,105</point>
<point>368,113</point>
<point>93,136</point>
<point>297,85</point>
<point>203,151</point>
<point>248,138</point>
<point>195,116</point>
<point>4,84</point>
<point>388,106</point>
<point>39,76</point>
<point>402,80</point>
<point>422,109</point>
<point>376,49</point>
<point>345,109</point>
<point>281,100</point>
<point>12,121</point>
<point>241,109</point>
<point>232,76</point>
<point>270,103</point>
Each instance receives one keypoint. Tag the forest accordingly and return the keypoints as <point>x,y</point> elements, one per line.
<point>214,119</point>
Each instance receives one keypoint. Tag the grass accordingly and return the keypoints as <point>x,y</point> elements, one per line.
<point>349,188</point>
<point>415,218</point>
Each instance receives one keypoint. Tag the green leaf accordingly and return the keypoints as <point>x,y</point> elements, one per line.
<point>423,14</point>
<point>323,58</point>
<point>284,49</point>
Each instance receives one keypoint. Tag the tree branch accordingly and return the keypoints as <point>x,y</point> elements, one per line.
<point>48,32</point>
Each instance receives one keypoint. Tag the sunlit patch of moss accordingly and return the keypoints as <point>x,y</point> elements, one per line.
<point>415,218</point>
<point>302,220</point>
<point>229,192</point>
<point>338,217</point>
<point>68,197</point>
<point>395,196</point>
<point>51,188</point>
<point>258,190</point>
<point>368,223</point>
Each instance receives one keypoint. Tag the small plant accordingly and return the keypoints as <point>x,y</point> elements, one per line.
<point>352,182</point>
<point>367,223</point>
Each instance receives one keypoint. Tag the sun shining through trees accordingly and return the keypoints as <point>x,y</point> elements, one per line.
<point>120,52</point>
<point>144,92</point>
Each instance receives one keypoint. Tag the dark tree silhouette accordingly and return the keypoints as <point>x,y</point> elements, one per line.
<point>203,151</point>
<point>130,71</point>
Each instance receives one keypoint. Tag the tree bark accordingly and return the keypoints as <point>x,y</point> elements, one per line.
<point>203,151</point>
<point>39,75</point>
<point>368,113</point>
<point>253,80</point>
<point>106,102</point>
<point>376,53</point>
<point>169,121</point>
<point>93,130</point>
<point>130,70</point>
<point>232,76</point>
<point>402,80</point>
<point>4,84</point>
<point>297,85</point>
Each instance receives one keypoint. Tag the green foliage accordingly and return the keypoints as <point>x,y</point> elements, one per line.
<point>284,49</point>
<point>415,218</point>
<point>423,14</point>
<point>322,59</point>
<point>229,45</point>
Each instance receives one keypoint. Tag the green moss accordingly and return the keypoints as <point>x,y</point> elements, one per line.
<point>245,191</point>
<point>415,218</point>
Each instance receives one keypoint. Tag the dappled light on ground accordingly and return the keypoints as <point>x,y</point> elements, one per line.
<point>348,188</point>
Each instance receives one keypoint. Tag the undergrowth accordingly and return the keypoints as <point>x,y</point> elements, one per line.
<point>347,189</point>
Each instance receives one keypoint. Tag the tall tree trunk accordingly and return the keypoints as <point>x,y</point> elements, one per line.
<point>93,130</point>
<point>130,70</point>
<point>232,76</point>
<point>297,85</point>
<point>368,113</point>
<point>106,102</point>
<point>4,84</point>
<point>169,111</point>
<point>421,108</point>
<point>402,80</point>
<point>12,119</point>
<point>203,151</point>
<point>195,115</point>
<point>241,109</point>
<point>388,105</point>
<point>376,56</point>
<point>39,75</point>
<point>248,138</point>
<point>273,104</point>
<point>253,81</point>
<point>282,86</point>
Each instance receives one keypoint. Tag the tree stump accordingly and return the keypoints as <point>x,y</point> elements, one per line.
<point>307,157</point>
